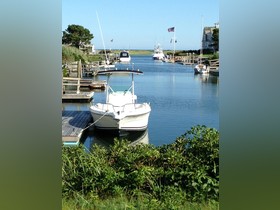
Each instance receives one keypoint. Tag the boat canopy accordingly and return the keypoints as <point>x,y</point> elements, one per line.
<point>120,72</point>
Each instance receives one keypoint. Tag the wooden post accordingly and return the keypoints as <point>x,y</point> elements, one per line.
<point>78,86</point>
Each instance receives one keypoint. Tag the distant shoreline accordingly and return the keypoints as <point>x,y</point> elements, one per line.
<point>133,52</point>
<point>138,52</point>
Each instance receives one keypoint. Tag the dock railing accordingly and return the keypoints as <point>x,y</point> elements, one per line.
<point>71,81</point>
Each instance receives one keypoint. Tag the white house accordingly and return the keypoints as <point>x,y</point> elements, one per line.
<point>207,41</point>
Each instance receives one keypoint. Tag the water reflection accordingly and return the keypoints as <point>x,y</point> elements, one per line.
<point>106,137</point>
<point>206,78</point>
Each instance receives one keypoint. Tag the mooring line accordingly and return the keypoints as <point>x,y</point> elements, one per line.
<point>95,121</point>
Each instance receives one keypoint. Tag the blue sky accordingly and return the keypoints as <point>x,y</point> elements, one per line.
<point>140,24</point>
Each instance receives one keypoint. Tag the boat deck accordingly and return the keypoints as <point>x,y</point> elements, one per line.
<point>73,125</point>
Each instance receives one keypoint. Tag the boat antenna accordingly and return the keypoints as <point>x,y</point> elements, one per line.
<point>107,60</point>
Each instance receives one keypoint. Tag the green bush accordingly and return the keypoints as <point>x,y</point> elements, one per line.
<point>186,170</point>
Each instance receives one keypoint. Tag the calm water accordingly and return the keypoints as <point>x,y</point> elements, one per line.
<point>179,100</point>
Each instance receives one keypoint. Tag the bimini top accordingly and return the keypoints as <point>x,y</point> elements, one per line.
<point>121,72</point>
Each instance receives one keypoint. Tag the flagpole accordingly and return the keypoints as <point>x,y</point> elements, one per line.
<point>174,46</point>
<point>172,29</point>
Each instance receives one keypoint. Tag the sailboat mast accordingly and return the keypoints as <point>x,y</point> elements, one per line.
<point>102,37</point>
<point>201,51</point>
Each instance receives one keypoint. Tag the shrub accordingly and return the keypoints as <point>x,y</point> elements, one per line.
<point>188,168</point>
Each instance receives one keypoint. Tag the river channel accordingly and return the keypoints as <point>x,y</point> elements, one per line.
<point>179,100</point>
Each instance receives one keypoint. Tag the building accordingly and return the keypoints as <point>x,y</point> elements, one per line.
<point>87,48</point>
<point>207,41</point>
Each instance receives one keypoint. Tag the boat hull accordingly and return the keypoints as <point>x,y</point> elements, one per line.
<point>158,57</point>
<point>126,60</point>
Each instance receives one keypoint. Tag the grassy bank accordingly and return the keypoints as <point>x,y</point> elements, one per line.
<point>174,176</point>
<point>71,54</point>
<point>139,203</point>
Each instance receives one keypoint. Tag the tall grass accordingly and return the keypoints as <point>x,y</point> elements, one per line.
<point>71,54</point>
<point>139,203</point>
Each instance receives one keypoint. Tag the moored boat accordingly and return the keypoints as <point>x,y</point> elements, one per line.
<point>124,56</point>
<point>201,69</point>
<point>158,53</point>
<point>121,111</point>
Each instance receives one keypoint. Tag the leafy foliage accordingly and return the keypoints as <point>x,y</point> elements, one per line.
<point>186,170</point>
<point>76,35</point>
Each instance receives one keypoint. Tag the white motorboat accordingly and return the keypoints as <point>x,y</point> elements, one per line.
<point>121,111</point>
<point>124,57</point>
<point>158,53</point>
<point>201,69</point>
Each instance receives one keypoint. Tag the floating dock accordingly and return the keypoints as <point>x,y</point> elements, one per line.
<point>98,84</point>
<point>73,125</point>
<point>80,97</point>
<point>89,83</point>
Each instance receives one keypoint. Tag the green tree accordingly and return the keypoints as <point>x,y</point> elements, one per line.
<point>76,35</point>
<point>215,38</point>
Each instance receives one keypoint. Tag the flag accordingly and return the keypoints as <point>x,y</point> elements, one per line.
<point>171,29</point>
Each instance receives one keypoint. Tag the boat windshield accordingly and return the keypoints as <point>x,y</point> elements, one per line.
<point>124,55</point>
<point>120,88</point>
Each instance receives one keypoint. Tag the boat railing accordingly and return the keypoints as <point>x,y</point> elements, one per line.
<point>110,89</point>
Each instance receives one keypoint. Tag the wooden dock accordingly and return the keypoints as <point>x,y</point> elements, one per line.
<point>214,67</point>
<point>75,95</point>
<point>80,97</point>
<point>98,84</point>
<point>91,84</point>
<point>73,125</point>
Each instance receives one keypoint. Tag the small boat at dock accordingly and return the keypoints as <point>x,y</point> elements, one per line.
<point>121,111</point>
<point>158,53</point>
<point>201,69</point>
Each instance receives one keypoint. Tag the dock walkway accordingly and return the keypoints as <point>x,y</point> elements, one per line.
<point>80,97</point>
<point>73,124</point>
